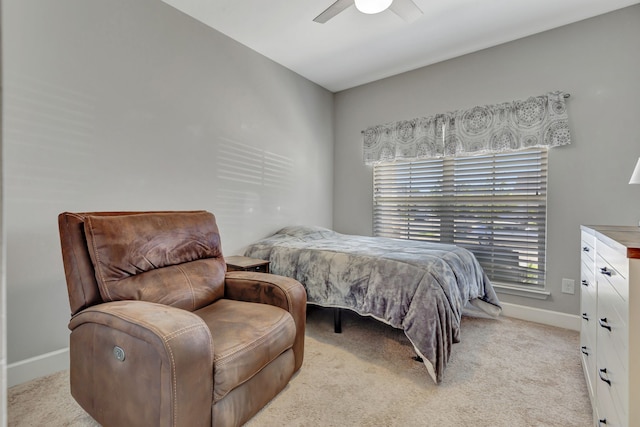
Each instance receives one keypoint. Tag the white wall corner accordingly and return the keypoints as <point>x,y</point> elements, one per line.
<point>538,315</point>
<point>39,366</point>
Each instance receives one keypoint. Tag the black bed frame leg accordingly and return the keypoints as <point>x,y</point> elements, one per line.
<point>337,320</point>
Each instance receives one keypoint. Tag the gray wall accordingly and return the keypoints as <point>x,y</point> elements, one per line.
<point>131,105</point>
<point>597,61</point>
<point>3,288</point>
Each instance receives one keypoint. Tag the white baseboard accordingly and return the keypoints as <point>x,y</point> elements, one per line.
<point>39,366</point>
<point>538,315</point>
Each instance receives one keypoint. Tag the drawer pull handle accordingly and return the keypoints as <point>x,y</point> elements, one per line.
<point>602,421</point>
<point>601,374</point>
<point>585,283</point>
<point>605,271</point>
<point>604,324</point>
<point>584,351</point>
<point>585,317</point>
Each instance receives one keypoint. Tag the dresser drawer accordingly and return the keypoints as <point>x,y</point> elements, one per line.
<point>588,311</point>
<point>588,356</point>
<point>587,282</point>
<point>612,323</point>
<point>608,273</point>
<point>588,334</point>
<point>587,246</point>
<point>587,268</point>
<point>615,256</point>
<point>613,347</point>
<point>588,296</point>
<point>611,386</point>
<point>608,415</point>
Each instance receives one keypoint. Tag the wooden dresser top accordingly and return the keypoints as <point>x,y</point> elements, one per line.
<point>627,236</point>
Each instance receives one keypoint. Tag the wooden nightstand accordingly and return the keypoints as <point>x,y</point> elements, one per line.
<point>243,263</point>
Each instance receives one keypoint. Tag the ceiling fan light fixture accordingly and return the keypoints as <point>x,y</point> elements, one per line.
<point>372,6</point>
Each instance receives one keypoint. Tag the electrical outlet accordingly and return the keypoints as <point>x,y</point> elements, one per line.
<point>568,286</point>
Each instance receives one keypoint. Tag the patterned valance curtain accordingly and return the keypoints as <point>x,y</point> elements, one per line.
<point>540,121</point>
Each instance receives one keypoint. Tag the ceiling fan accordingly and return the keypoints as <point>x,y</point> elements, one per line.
<point>405,9</point>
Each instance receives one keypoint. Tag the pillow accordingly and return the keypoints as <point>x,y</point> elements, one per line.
<point>308,232</point>
<point>172,258</point>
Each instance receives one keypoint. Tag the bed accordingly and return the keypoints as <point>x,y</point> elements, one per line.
<point>419,287</point>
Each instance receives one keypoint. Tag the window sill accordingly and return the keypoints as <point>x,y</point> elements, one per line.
<point>521,291</point>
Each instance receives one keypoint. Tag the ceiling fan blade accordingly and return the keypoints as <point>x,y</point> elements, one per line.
<point>332,11</point>
<point>406,9</point>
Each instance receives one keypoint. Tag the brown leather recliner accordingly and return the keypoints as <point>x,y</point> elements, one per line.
<point>161,334</point>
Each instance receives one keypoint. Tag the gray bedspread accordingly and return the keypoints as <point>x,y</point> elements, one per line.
<point>419,287</point>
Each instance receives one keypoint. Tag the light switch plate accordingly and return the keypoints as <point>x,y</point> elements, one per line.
<point>568,286</point>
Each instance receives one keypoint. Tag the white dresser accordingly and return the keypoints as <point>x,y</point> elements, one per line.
<point>610,333</point>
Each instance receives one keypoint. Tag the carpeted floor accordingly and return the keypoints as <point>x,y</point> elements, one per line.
<point>505,372</point>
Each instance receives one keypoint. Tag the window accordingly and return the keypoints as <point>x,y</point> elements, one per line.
<point>494,205</point>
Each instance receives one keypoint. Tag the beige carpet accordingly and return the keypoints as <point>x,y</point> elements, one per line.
<point>505,372</point>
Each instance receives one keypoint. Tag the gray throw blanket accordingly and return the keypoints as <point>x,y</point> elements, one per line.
<point>419,287</point>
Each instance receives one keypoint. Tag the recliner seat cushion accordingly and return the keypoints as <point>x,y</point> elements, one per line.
<point>246,337</point>
<point>168,258</point>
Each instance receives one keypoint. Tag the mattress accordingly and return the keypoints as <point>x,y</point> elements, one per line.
<point>419,287</point>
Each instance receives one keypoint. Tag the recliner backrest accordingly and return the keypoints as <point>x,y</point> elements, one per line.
<point>174,258</point>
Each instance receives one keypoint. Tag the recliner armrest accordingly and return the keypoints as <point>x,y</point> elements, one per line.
<point>280,291</point>
<point>166,376</point>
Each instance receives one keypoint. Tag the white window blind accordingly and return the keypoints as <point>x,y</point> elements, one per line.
<point>494,205</point>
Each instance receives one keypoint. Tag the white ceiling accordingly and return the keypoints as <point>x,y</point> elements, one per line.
<point>353,48</point>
